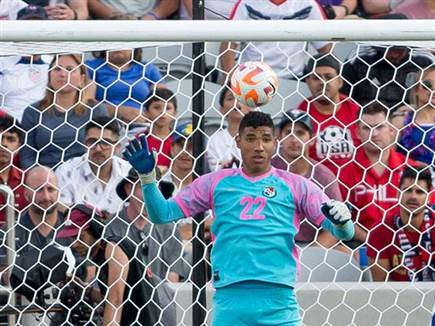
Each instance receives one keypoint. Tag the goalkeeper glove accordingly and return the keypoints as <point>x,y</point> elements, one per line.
<point>336,211</point>
<point>140,158</point>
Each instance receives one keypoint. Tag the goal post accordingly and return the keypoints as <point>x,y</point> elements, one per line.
<point>187,54</point>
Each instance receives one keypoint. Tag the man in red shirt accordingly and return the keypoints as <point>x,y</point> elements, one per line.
<point>10,141</point>
<point>370,182</point>
<point>401,248</point>
<point>334,116</point>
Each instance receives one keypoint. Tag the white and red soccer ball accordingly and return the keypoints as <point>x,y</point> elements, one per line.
<point>254,83</point>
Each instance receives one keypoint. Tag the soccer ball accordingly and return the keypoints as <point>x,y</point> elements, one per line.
<point>254,83</point>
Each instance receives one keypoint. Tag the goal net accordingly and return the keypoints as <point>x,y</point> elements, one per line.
<point>353,117</point>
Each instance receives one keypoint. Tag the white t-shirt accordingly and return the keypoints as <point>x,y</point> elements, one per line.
<point>21,84</point>
<point>10,8</point>
<point>213,9</point>
<point>137,8</point>
<point>221,149</point>
<point>284,57</point>
<point>79,185</point>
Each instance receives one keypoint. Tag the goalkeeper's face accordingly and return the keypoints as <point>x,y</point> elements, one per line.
<point>257,146</point>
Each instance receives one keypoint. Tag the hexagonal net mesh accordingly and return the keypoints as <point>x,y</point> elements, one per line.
<point>78,246</point>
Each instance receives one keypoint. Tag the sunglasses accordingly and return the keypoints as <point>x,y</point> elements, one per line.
<point>428,85</point>
<point>104,143</point>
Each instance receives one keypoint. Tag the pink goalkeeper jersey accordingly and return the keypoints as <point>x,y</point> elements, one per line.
<point>255,222</point>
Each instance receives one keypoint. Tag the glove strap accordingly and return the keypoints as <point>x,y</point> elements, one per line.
<point>148,178</point>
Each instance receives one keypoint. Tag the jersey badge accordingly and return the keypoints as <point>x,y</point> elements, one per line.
<point>269,192</point>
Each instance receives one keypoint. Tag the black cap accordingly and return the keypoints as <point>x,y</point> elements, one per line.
<point>296,116</point>
<point>32,12</point>
<point>167,188</point>
<point>321,60</point>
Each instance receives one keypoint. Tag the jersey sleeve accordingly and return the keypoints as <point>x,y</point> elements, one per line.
<point>309,199</point>
<point>196,197</point>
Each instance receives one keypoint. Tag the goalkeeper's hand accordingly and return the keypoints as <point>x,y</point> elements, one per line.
<point>336,211</point>
<point>141,159</point>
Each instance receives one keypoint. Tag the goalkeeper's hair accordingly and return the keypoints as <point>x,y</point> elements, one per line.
<point>417,173</point>
<point>256,119</point>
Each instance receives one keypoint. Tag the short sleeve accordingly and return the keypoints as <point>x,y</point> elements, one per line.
<point>196,197</point>
<point>153,74</point>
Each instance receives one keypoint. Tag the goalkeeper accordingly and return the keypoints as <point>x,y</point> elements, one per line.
<point>256,209</point>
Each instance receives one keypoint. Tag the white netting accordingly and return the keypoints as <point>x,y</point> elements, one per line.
<point>126,92</point>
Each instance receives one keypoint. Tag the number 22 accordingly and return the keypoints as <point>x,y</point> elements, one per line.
<point>248,202</point>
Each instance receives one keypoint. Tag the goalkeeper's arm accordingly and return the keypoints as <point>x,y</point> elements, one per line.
<point>338,220</point>
<point>159,209</point>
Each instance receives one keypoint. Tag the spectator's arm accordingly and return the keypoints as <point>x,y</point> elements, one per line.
<point>379,6</point>
<point>118,267</point>
<point>126,113</point>
<point>379,268</point>
<point>325,239</point>
<point>99,10</point>
<point>340,10</point>
<point>188,5</point>
<point>227,55</point>
<point>326,49</point>
<point>173,277</point>
<point>80,7</point>
<point>163,10</point>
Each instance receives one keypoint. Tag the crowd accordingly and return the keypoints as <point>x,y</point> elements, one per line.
<point>365,136</point>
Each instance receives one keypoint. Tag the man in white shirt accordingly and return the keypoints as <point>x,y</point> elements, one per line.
<point>92,178</point>
<point>222,151</point>
<point>287,59</point>
<point>10,8</point>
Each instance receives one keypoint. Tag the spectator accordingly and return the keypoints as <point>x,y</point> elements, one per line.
<point>36,227</point>
<point>371,180</point>
<point>401,249</point>
<point>222,150</point>
<point>123,81</point>
<point>161,244</point>
<point>338,9</point>
<point>142,9</point>
<point>92,178</point>
<point>411,9</point>
<point>383,73</point>
<point>55,125</point>
<point>10,8</point>
<point>11,138</point>
<point>286,58</point>
<point>418,137</point>
<point>160,110</point>
<point>63,9</point>
<point>334,116</point>
<point>295,134</point>
<point>23,79</point>
<point>133,294</point>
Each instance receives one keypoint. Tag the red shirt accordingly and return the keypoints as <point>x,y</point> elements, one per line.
<point>336,137</point>
<point>16,183</point>
<point>371,194</point>
<point>383,239</point>
<point>163,149</point>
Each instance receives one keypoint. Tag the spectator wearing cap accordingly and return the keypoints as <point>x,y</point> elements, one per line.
<point>370,181</point>
<point>222,150</point>
<point>10,8</point>
<point>333,115</point>
<point>55,125</point>
<point>23,79</point>
<point>383,73</point>
<point>161,244</point>
<point>142,9</point>
<point>126,283</point>
<point>36,227</point>
<point>11,138</point>
<point>124,81</point>
<point>295,134</point>
<point>402,248</point>
<point>92,178</point>
<point>63,9</point>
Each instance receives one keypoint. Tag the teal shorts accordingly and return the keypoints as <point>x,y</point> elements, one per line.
<point>255,304</point>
